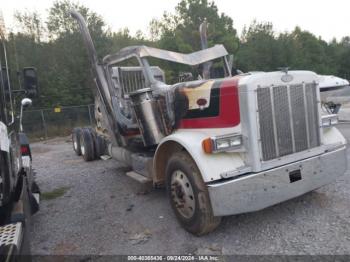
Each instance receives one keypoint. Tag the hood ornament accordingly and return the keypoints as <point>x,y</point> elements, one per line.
<point>287,77</point>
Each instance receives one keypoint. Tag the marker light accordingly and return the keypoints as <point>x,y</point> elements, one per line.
<point>222,143</point>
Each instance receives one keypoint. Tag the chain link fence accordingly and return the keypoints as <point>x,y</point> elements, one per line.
<point>47,123</point>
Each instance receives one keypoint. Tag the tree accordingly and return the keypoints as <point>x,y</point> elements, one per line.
<point>71,81</point>
<point>31,24</point>
<point>259,50</point>
<point>56,49</point>
<point>180,31</point>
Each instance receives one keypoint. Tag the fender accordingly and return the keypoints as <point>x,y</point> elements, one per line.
<point>211,166</point>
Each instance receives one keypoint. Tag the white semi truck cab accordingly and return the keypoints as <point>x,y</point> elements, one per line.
<point>19,194</point>
<point>220,144</point>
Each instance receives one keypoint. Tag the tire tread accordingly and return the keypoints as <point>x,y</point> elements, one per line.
<point>206,222</point>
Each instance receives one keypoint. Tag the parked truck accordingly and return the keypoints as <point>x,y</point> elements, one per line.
<point>19,194</point>
<point>220,145</point>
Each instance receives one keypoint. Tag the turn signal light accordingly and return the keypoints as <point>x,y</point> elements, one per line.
<point>226,143</point>
<point>207,145</point>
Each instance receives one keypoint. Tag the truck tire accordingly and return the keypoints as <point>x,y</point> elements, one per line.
<point>76,133</point>
<point>87,145</point>
<point>100,146</point>
<point>189,195</point>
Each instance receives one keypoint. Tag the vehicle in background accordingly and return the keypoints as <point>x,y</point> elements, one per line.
<point>220,144</point>
<point>335,92</point>
<point>19,194</point>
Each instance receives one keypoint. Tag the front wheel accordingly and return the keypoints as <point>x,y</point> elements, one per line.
<point>189,196</point>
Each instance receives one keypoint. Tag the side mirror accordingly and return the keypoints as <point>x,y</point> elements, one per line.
<point>30,81</point>
<point>24,103</point>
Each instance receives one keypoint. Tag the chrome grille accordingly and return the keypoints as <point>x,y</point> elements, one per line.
<point>280,100</point>
<point>299,119</point>
<point>131,78</point>
<point>288,119</point>
<point>131,81</point>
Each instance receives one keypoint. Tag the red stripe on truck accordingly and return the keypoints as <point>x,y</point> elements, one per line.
<point>229,115</point>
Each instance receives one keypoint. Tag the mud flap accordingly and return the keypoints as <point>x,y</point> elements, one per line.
<point>34,198</point>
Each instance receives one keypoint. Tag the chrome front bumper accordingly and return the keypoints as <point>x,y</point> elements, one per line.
<point>260,190</point>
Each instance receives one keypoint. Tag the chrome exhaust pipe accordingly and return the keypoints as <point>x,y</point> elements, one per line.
<point>204,44</point>
<point>103,89</point>
<point>86,36</point>
<point>110,109</point>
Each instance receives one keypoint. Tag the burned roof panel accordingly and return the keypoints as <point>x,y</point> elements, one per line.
<point>191,59</point>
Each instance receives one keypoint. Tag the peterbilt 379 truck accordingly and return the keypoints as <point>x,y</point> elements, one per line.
<point>220,146</point>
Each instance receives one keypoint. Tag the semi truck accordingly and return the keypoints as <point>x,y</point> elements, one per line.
<point>19,194</point>
<point>220,143</point>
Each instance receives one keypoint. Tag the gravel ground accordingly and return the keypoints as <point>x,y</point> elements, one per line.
<point>102,211</point>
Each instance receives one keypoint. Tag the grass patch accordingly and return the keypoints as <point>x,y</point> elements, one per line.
<point>58,192</point>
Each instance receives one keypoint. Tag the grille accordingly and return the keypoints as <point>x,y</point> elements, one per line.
<point>288,119</point>
<point>131,81</point>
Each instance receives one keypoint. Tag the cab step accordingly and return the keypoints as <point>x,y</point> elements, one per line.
<point>10,240</point>
<point>138,177</point>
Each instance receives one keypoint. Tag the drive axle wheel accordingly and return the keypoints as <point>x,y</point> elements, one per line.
<point>76,140</point>
<point>189,196</point>
<point>87,145</point>
<point>100,146</point>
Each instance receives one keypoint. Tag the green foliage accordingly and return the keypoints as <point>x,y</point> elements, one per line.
<point>259,48</point>
<point>31,24</point>
<point>180,31</point>
<point>56,49</point>
<point>56,193</point>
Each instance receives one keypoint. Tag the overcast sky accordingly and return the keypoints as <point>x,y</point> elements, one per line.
<point>327,19</point>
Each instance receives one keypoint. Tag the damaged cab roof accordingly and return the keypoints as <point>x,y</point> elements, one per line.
<point>192,59</point>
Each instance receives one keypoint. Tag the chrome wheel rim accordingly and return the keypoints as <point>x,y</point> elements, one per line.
<point>82,148</point>
<point>182,194</point>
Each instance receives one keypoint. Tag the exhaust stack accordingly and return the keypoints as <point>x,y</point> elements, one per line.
<point>86,36</point>
<point>103,90</point>
<point>204,44</point>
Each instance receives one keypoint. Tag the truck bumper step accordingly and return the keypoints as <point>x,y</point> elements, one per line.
<point>138,177</point>
<point>10,239</point>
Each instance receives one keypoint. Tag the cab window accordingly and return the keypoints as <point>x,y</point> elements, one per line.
<point>5,87</point>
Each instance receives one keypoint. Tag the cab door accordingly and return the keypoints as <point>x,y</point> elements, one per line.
<point>9,140</point>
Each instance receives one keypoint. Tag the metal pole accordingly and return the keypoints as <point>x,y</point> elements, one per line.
<point>44,123</point>
<point>90,117</point>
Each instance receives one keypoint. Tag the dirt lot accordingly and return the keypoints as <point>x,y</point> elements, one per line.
<point>93,208</point>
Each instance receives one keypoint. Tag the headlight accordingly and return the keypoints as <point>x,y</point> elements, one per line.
<point>223,143</point>
<point>329,120</point>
